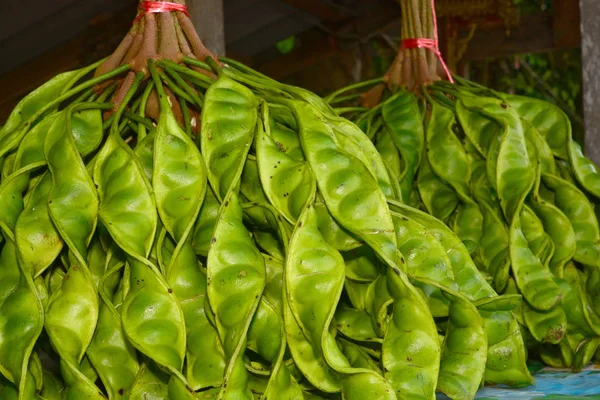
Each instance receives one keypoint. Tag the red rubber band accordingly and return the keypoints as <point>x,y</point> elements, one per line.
<point>153,7</point>
<point>431,44</point>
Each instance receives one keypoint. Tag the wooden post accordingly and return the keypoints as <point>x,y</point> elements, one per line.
<point>209,21</point>
<point>590,58</point>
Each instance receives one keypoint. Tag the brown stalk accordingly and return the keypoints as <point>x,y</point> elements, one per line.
<point>155,37</point>
<point>198,48</point>
<point>135,46</point>
<point>184,45</point>
<point>125,86</point>
<point>372,97</point>
<point>175,106</point>
<point>114,60</point>
<point>194,121</point>
<point>168,47</point>
<point>153,106</point>
<point>148,49</point>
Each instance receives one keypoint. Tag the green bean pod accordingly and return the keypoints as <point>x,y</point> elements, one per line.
<point>389,153</point>
<point>110,352</point>
<point>86,127</point>
<point>31,149</point>
<point>437,196</point>
<point>179,178</point>
<point>288,183</point>
<point>21,320</point>
<point>12,197</point>
<point>585,170</point>
<point>70,321</point>
<point>448,160</point>
<point>481,130</point>
<point>402,118</point>
<point>560,230</point>
<point>425,258</point>
<point>502,330</point>
<point>411,348</point>
<point>493,247</point>
<point>573,203</point>
<point>205,223</point>
<point>545,326</point>
<point>351,193</point>
<point>205,362</point>
<point>150,383</point>
<point>315,275</point>
<point>152,318</point>
<point>229,120</point>
<point>362,264</point>
<point>355,324</point>
<point>72,200</point>
<point>266,336</point>
<point>554,126</point>
<point>127,206</point>
<point>144,151</point>
<point>515,177</point>
<point>18,122</point>
<point>269,242</point>
<point>359,144</point>
<point>308,359</point>
<point>334,234</point>
<point>36,237</point>
<point>469,279</point>
<point>548,120</point>
<point>377,299</point>
<point>53,387</point>
<point>535,281</point>
<point>540,242</point>
<point>464,351</point>
<point>236,279</point>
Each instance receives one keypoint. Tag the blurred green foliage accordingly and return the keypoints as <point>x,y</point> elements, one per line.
<point>554,76</point>
<point>533,6</point>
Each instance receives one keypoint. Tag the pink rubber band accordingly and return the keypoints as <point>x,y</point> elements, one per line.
<point>153,7</point>
<point>431,44</point>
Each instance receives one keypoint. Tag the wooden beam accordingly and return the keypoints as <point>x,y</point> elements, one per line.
<point>41,30</point>
<point>317,49</point>
<point>590,56</point>
<point>320,9</point>
<point>534,34</point>
<point>567,21</point>
<point>208,19</point>
<point>98,41</point>
<point>317,46</point>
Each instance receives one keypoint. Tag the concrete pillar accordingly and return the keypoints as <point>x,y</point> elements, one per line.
<point>590,57</point>
<point>208,18</point>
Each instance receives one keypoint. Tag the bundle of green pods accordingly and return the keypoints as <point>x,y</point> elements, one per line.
<point>212,233</point>
<point>505,175</point>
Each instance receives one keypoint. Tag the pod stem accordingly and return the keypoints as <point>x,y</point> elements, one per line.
<point>126,99</point>
<point>156,37</point>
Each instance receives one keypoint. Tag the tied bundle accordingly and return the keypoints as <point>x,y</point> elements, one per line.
<point>503,173</point>
<point>179,226</point>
